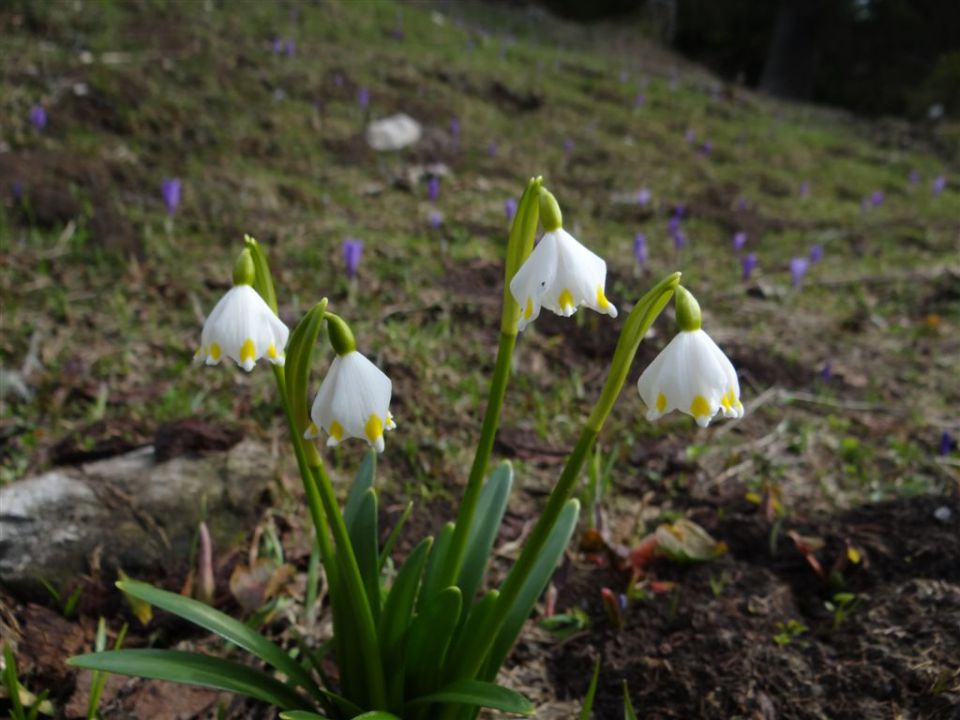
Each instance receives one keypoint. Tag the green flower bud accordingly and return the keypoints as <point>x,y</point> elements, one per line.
<point>244,271</point>
<point>688,310</point>
<point>341,337</point>
<point>550,214</point>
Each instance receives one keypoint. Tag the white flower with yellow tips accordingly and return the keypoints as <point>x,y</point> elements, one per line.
<point>691,374</point>
<point>242,326</point>
<point>560,274</point>
<point>353,401</point>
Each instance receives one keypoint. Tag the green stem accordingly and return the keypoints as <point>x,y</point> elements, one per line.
<point>638,322</point>
<point>322,502</point>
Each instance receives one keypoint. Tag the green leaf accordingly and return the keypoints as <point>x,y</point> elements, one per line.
<point>428,638</point>
<point>363,537</point>
<point>362,483</point>
<point>301,715</point>
<point>13,685</point>
<point>264,280</point>
<point>628,712</point>
<point>482,694</point>
<point>431,581</point>
<point>194,669</point>
<point>490,508</point>
<point>223,625</point>
<point>395,617</point>
<point>591,692</point>
<point>296,366</point>
<point>536,581</point>
<point>395,534</point>
<point>471,633</point>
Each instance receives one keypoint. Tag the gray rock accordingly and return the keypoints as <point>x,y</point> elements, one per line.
<point>393,133</point>
<point>130,510</point>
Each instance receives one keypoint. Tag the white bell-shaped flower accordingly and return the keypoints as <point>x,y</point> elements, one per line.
<point>560,274</point>
<point>242,326</point>
<point>353,401</point>
<point>691,374</point>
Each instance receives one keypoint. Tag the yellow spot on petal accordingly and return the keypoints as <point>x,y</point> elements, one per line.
<point>727,400</point>
<point>566,299</point>
<point>336,431</point>
<point>700,407</point>
<point>215,351</point>
<point>602,301</point>
<point>272,351</point>
<point>247,351</point>
<point>528,311</point>
<point>313,430</point>
<point>373,429</point>
<point>661,402</point>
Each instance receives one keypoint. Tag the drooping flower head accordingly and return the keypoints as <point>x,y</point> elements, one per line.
<point>170,189</point>
<point>748,264</point>
<point>739,241</point>
<point>798,268</point>
<point>640,253</point>
<point>354,397</point>
<point>352,250</point>
<point>242,326</point>
<point>38,117</point>
<point>691,374</point>
<point>560,274</point>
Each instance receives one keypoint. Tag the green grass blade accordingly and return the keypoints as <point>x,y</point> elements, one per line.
<point>13,685</point>
<point>363,537</point>
<point>591,692</point>
<point>481,694</point>
<point>489,515</point>
<point>223,625</point>
<point>362,483</point>
<point>628,712</point>
<point>536,581</point>
<point>428,639</point>
<point>194,669</point>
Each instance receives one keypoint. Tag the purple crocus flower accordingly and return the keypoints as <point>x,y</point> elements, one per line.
<point>644,196</point>
<point>741,203</point>
<point>826,372</point>
<point>914,177</point>
<point>492,148</point>
<point>690,136</point>
<point>363,98</point>
<point>170,189</point>
<point>739,240</point>
<point>455,130</point>
<point>805,188</point>
<point>433,188</point>
<point>679,211</point>
<point>707,147</point>
<point>946,444</point>
<point>568,145</point>
<point>338,79</point>
<point>876,198</point>
<point>277,45</point>
<point>436,219</point>
<point>640,253</point>
<point>640,100</point>
<point>673,225</point>
<point>747,264</point>
<point>291,47</point>
<point>17,189</point>
<point>38,117</point>
<point>352,249</point>
<point>798,268</point>
<point>510,208</point>
<point>939,184</point>
<point>816,253</point>
<point>679,240</point>
<point>624,76</point>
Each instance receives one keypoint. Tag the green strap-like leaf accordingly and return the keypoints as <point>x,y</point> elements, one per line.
<point>535,583</point>
<point>362,483</point>
<point>628,712</point>
<point>490,508</point>
<point>431,580</point>
<point>591,692</point>
<point>395,618</point>
<point>478,693</point>
<point>428,639</point>
<point>194,669</point>
<point>223,625</point>
<point>395,534</point>
<point>363,537</point>
<point>472,632</point>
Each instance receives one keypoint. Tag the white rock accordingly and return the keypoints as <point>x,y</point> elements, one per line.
<point>393,133</point>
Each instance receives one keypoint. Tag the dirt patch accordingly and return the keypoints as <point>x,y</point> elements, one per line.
<point>709,648</point>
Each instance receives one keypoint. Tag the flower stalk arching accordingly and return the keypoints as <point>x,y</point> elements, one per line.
<point>519,246</point>
<point>638,322</point>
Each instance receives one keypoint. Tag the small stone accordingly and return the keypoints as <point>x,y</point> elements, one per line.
<point>393,133</point>
<point>943,514</point>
